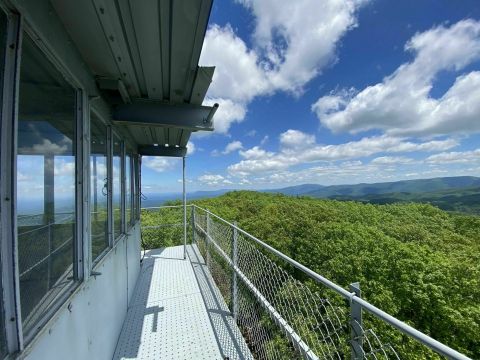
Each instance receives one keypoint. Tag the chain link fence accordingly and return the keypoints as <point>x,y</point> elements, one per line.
<point>286,311</point>
<point>163,226</point>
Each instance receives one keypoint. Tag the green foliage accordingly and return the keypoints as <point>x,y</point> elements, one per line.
<point>163,227</point>
<point>415,261</point>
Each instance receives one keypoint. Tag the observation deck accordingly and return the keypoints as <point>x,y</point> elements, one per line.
<point>177,312</point>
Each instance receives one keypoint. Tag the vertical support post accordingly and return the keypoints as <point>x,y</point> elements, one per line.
<point>193,224</point>
<point>110,185</point>
<point>207,241</point>
<point>356,325</point>
<point>8,184</point>
<point>184,212</point>
<point>234,273</point>
<point>49,207</point>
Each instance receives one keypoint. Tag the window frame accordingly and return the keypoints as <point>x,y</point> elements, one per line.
<point>16,337</point>
<point>9,263</point>
<point>129,203</point>
<point>115,134</point>
<point>108,155</point>
<point>81,230</point>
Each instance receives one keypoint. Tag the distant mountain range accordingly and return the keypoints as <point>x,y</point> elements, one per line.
<point>406,186</point>
<point>460,193</point>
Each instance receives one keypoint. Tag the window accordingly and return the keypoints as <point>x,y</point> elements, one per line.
<point>117,187</point>
<point>136,197</point>
<point>128,190</point>
<point>3,39</point>
<point>46,164</point>
<point>136,187</point>
<point>98,186</point>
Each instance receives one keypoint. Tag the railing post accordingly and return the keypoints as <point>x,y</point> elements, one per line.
<point>234,273</point>
<point>207,241</point>
<point>356,325</point>
<point>193,224</point>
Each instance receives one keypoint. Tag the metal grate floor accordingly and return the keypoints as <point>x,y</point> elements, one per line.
<point>168,317</point>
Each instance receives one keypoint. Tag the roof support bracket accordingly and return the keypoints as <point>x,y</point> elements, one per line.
<point>171,151</point>
<point>157,113</point>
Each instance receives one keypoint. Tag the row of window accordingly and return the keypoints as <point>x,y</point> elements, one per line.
<point>49,182</point>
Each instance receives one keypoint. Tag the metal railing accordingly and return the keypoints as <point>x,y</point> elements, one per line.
<point>286,311</point>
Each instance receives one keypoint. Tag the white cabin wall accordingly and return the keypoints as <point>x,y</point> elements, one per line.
<point>88,325</point>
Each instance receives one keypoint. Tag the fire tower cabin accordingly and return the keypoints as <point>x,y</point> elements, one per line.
<point>88,87</point>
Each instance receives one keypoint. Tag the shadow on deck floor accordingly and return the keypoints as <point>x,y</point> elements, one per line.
<point>177,312</point>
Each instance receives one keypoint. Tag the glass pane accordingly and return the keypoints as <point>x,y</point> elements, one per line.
<point>3,40</point>
<point>117,186</point>
<point>98,186</point>
<point>135,187</point>
<point>45,183</point>
<point>128,189</point>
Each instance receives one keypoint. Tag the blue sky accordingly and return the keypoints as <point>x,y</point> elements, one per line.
<point>335,92</point>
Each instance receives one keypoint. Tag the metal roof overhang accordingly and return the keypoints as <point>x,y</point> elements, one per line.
<point>144,56</point>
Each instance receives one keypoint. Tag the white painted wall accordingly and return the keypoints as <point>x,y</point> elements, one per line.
<point>90,329</point>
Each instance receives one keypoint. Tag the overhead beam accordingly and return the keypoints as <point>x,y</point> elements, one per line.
<point>171,151</point>
<point>157,113</point>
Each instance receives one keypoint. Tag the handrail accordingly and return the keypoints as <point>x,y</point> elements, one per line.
<point>353,298</point>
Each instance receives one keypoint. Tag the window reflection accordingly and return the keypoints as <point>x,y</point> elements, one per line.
<point>117,186</point>
<point>98,186</point>
<point>45,183</point>
<point>128,189</point>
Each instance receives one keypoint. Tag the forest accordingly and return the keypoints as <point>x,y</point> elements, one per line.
<point>417,262</point>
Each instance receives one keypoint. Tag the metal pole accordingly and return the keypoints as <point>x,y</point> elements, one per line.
<point>193,224</point>
<point>234,274</point>
<point>356,325</point>
<point>184,213</point>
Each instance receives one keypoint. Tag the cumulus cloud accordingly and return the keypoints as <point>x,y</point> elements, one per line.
<point>214,180</point>
<point>190,148</point>
<point>257,160</point>
<point>392,160</point>
<point>298,38</point>
<point>455,157</point>
<point>402,104</point>
<point>292,43</point>
<point>229,112</point>
<point>232,146</point>
<point>158,164</point>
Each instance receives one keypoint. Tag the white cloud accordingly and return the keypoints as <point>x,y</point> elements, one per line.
<point>47,147</point>
<point>238,75</point>
<point>214,180</point>
<point>296,139</point>
<point>298,38</point>
<point>228,112</point>
<point>455,157</point>
<point>401,104</point>
<point>190,148</point>
<point>158,164</point>
<point>64,168</point>
<point>293,42</point>
<point>233,146</point>
<point>392,160</point>
<point>291,153</point>
<point>255,153</point>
